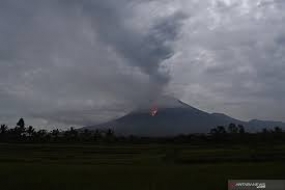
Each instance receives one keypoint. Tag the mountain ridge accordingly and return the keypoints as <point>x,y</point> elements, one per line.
<point>174,119</point>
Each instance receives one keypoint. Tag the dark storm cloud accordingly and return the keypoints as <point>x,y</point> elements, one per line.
<point>79,62</point>
<point>74,61</point>
<point>235,63</point>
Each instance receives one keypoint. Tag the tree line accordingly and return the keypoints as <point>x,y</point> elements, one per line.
<point>221,134</point>
<point>21,133</point>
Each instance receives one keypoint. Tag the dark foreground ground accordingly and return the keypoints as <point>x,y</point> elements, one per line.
<point>135,167</point>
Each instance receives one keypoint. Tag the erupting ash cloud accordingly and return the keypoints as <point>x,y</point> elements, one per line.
<point>78,62</point>
<point>143,49</point>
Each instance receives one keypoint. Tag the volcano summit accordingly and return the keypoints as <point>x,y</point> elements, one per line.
<point>174,117</point>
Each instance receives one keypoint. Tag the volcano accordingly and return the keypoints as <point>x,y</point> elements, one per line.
<point>172,117</point>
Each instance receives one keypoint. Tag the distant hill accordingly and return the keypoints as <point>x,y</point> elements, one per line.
<point>260,124</point>
<point>174,117</point>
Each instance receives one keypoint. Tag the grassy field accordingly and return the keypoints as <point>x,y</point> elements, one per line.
<point>135,167</point>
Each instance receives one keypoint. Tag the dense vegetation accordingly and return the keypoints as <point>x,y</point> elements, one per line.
<point>221,134</point>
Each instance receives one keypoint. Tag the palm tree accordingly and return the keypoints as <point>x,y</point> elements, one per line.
<point>3,129</point>
<point>30,131</point>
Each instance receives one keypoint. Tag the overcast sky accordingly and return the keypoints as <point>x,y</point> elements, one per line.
<point>81,62</point>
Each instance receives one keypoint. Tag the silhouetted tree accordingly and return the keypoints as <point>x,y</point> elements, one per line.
<point>20,129</point>
<point>278,133</point>
<point>97,135</point>
<point>3,129</point>
<point>71,134</point>
<point>55,134</point>
<point>41,134</point>
<point>3,132</point>
<point>265,131</point>
<point>277,129</point>
<point>241,129</point>
<point>21,123</point>
<point>218,133</point>
<point>214,131</point>
<point>232,128</point>
<point>30,131</point>
<point>221,130</point>
<point>86,135</point>
<point>109,135</point>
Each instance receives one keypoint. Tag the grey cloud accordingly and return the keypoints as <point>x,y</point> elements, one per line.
<point>234,64</point>
<point>82,62</point>
<point>59,58</point>
<point>144,51</point>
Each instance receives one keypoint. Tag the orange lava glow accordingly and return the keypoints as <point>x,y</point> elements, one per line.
<point>153,111</point>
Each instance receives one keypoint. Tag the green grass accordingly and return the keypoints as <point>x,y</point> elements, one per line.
<point>132,167</point>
